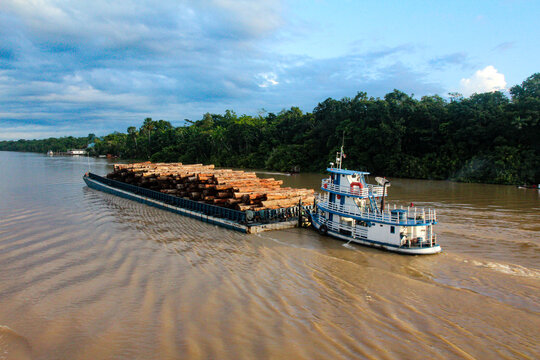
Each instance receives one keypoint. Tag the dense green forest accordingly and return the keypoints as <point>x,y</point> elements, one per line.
<point>487,137</point>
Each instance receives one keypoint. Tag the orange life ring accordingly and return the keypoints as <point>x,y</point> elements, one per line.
<point>359,184</point>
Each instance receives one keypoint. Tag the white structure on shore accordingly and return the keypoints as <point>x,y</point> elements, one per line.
<point>76,152</point>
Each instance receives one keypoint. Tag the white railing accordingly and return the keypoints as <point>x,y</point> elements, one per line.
<point>360,232</point>
<point>357,232</point>
<point>429,241</point>
<point>409,216</point>
<point>375,190</point>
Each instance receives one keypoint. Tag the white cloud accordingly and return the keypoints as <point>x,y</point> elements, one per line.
<point>485,80</point>
<point>268,79</point>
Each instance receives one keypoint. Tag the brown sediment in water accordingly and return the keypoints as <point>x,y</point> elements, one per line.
<point>87,275</point>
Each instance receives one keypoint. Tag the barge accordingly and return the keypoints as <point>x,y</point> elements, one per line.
<point>248,221</point>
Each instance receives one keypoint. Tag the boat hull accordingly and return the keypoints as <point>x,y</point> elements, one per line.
<point>379,245</point>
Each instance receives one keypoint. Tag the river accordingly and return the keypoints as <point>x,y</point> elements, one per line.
<point>87,275</point>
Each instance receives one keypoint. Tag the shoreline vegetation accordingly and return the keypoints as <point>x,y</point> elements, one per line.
<point>486,137</point>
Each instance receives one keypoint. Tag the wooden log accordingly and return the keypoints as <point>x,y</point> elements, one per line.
<point>243,207</point>
<point>207,186</point>
<point>287,202</point>
<point>276,196</point>
<point>168,191</point>
<point>239,194</point>
<point>207,192</point>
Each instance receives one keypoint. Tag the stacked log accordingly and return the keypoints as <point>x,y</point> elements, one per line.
<point>235,189</point>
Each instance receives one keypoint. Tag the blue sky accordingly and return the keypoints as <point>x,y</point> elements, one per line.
<point>79,67</point>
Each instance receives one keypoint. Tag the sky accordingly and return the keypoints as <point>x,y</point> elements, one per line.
<point>79,67</point>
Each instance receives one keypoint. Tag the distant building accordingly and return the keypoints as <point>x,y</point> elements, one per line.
<point>76,152</point>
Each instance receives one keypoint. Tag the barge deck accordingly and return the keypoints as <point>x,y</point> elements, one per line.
<point>243,221</point>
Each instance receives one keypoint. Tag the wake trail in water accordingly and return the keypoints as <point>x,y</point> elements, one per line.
<point>13,346</point>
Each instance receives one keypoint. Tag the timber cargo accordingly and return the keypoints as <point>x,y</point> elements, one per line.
<point>235,199</point>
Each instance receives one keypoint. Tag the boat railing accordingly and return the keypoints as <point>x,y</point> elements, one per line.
<point>409,216</point>
<point>429,241</point>
<point>374,190</point>
<point>251,217</point>
<point>357,232</point>
<point>360,232</point>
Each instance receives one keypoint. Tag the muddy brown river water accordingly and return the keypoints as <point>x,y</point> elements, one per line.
<point>87,275</point>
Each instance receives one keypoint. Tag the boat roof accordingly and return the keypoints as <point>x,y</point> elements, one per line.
<point>346,172</point>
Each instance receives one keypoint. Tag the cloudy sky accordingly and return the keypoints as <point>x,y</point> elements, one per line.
<point>79,67</point>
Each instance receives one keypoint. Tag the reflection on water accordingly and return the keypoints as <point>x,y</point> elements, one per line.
<point>86,275</point>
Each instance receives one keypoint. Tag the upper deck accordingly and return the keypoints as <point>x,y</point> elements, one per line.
<point>401,217</point>
<point>351,183</point>
<point>353,190</point>
<point>346,172</point>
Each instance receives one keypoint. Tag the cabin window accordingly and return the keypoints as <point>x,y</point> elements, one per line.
<point>392,229</point>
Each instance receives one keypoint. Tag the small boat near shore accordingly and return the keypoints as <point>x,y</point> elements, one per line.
<point>534,187</point>
<point>354,211</point>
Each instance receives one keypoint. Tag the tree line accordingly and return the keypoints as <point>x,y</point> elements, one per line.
<point>486,137</point>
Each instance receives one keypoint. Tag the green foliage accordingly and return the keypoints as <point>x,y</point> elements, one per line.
<point>62,144</point>
<point>288,158</point>
<point>484,138</point>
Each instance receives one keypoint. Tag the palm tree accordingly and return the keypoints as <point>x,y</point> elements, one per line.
<point>148,126</point>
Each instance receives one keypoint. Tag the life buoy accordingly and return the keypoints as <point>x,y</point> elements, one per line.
<point>323,230</point>
<point>359,184</point>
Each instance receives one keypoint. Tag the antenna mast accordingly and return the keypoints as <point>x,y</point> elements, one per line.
<point>339,158</point>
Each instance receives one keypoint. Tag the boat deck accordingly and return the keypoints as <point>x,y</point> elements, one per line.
<point>404,217</point>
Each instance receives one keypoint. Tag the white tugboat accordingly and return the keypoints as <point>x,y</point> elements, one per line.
<point>349,209</point>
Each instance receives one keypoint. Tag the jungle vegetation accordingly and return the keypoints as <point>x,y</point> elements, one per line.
<point>486,137</point>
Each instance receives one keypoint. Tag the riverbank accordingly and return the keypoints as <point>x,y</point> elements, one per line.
<point>485,138</point>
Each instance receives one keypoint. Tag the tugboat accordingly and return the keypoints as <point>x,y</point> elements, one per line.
<point>349,209</point>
